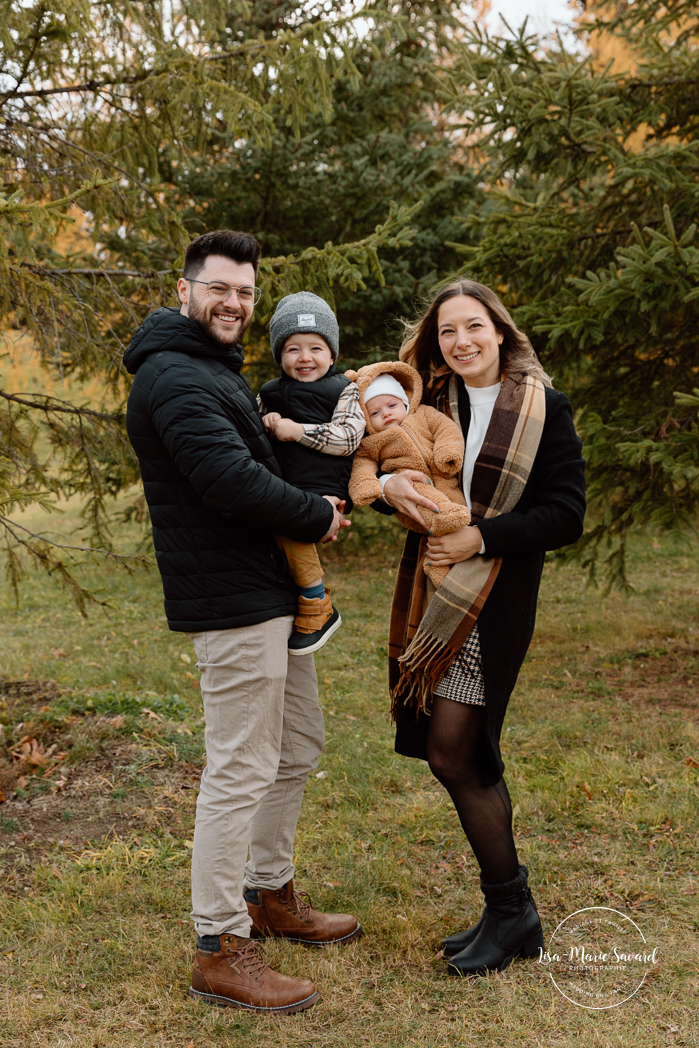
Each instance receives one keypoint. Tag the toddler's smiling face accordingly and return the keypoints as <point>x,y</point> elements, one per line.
<point>306,357</point>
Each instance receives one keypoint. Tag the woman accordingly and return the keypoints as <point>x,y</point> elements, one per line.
<point>455,653</point>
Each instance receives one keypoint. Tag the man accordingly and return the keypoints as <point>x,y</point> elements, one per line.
<point>216,500</point>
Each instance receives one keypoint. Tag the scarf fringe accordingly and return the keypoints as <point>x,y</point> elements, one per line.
<point>422,666</point>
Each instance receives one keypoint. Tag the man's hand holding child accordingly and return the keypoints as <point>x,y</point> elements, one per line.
<point>338,520</point>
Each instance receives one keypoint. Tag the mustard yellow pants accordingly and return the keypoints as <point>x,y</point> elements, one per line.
<point>304,562</point>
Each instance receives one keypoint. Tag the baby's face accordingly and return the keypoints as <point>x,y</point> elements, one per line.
<point>385,410</point>
<point>306,357</point>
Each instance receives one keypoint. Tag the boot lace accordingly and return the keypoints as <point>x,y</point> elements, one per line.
<point>300,907</point>
<point>248,961</point>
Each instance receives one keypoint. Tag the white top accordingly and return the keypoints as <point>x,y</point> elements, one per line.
<point>482,404</point>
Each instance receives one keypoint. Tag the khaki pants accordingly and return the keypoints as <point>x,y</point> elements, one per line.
<point>264,734</point>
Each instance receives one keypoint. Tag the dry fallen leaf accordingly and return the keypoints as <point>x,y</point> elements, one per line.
<point>2,796</point>
<point>185,658</point>
<point>692,762</point>
<point>28,749</point>
<point>58,653</point>
<point>118,721</point>
<point>145,712</point>
<point>22,782</point>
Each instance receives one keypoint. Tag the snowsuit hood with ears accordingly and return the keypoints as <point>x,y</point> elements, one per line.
<point>408,377</point>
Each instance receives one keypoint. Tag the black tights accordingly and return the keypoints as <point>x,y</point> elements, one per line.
<point>455,756</point>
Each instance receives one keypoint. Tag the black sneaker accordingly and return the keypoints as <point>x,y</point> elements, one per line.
<point>305,640</point>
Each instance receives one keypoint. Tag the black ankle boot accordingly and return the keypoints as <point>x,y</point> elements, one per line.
<point>457,942</point>
<point>510,926</point>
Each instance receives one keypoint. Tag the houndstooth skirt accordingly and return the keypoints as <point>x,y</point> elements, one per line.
<point>463,681</point>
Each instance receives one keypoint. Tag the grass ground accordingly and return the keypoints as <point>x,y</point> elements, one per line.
<point>602,752</point>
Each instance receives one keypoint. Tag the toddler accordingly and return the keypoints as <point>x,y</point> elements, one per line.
<point>404,434</point>
<point>314,414</point>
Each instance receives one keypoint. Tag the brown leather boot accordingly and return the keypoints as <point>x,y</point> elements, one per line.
<point>235,976</point>
<point>284,914</point>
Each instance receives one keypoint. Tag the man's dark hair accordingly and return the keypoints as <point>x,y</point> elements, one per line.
<point>239,247</point>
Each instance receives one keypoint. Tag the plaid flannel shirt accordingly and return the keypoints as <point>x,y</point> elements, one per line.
<point>342,434</point>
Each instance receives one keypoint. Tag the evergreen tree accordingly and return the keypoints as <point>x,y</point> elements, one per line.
<point>386,141</point>
<point>95,101</point>
<point>588,228</point>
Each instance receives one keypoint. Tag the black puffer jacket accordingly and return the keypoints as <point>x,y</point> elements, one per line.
<point>211,481</point>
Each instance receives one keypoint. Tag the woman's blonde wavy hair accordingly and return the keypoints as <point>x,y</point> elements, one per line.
<point>420,346</point>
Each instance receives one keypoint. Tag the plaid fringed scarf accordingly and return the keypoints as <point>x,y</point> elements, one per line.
<point>428,644</point>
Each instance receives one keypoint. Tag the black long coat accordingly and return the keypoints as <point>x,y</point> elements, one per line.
<point>212,483</point>
<point>549,515</point>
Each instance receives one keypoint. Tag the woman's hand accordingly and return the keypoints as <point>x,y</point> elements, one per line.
<point>399,492</point>
<point>450,549</point>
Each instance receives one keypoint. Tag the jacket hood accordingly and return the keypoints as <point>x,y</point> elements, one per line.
<point>407,376</point>
<point>167,328</point>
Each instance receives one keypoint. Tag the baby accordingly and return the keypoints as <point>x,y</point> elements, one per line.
<point>404,434</point>
<point>314,414</point>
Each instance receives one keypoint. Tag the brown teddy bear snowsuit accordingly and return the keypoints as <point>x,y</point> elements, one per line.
<point>426,440</point>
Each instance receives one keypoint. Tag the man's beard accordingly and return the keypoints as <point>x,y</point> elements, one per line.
<point>198,314</point>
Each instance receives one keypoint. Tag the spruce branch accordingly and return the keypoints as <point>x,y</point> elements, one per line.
<point>121,558</point>
<point>8,208</point>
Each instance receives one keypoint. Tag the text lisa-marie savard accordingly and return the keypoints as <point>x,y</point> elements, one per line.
<point>582,955</point>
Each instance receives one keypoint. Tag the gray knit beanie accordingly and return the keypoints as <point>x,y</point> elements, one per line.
<point>302,312</point>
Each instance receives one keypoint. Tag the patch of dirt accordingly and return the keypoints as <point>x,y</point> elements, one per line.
<point>662,678</point>
<point>123,786</point>
<point>23,695</point>
<point>22,754</point>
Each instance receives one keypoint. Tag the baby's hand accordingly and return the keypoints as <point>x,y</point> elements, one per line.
<point>287,429</point>
<point>270,420</point>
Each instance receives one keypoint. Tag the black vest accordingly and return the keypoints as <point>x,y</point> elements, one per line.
<point>310,402</point>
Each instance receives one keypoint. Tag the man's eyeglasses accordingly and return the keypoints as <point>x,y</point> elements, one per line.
<point>220,290</point>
